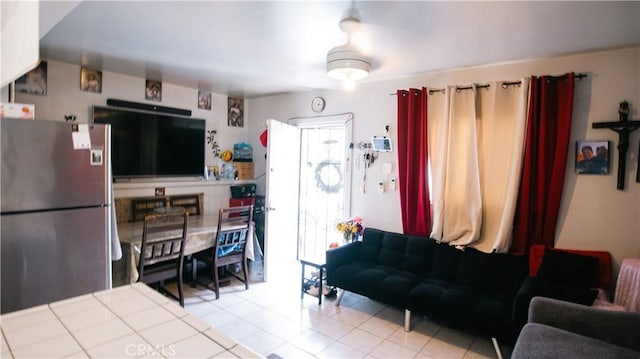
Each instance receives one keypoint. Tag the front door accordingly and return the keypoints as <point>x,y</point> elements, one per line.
<point>281,224</point>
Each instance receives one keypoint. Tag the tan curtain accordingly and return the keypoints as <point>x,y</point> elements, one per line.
<point>477,147</point>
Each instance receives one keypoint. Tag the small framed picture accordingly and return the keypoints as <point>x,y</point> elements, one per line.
<point>235,111</point>
<point>159,191</point>
<point>90,80</point>
<point>638,166</point>
<point>592,157</point>
<point>153,91</point>
<point>204,100</point>
<point>33,82</point>
<point>96,157</point>
<point>213,173</point>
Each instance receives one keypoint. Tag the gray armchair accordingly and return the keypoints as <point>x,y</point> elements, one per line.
<point>558,329</point>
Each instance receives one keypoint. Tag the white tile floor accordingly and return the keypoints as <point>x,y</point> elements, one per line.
<point>105,325</point>
<point>271,318</point>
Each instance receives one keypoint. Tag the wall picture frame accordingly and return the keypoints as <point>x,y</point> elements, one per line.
<point>235,111</point>
<point>204,100</point>
<point>90,80</point>
<point>33,82</point>
<point>592,157</point>
<point>153,91</point>
<point>638,166</point>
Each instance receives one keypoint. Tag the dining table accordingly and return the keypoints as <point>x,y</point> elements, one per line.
<point>201,231</point>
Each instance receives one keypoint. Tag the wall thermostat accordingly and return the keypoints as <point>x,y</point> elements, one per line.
<point>381,144</point>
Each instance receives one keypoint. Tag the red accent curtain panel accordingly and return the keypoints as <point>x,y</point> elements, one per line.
<point>545,159</point>
<point>413,162</point>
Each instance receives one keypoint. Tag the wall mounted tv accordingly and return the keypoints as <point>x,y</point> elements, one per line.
<point>149,144</point>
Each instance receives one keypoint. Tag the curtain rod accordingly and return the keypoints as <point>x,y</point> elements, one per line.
<point>505,84</point>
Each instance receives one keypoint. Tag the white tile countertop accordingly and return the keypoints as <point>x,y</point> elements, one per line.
<point>126,322</point>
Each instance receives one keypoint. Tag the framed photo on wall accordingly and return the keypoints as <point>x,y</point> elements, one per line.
<point>235,112</point>
<point>204,100</point>
<point>153,91</point>
<point>34,82</point>
<point>592,157</point>
<point>638,166</point>
<point>90,80</point>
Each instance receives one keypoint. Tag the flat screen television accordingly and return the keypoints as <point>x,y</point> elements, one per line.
<point>149,144</point>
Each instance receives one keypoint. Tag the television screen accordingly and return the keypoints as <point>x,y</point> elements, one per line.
<point>148,144</point>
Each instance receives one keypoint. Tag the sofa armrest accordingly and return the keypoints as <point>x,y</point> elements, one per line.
<point>337,257</point>
<point>619,328</point>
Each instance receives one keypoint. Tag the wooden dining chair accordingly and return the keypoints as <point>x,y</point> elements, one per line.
<point>190,202</point>
<point>162,250</point>
<point>233,233</point>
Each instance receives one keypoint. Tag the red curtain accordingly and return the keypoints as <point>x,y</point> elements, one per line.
<point>545,159</point>
<point>413,162</point>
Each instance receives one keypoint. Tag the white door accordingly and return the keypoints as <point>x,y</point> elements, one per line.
<point>281,223</point>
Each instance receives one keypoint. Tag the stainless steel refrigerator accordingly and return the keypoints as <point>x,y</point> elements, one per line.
<point>55,216</point>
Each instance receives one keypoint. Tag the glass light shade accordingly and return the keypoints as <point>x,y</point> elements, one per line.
<point>346,63</point>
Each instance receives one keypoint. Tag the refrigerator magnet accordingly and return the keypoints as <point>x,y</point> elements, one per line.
<point>96,157</point>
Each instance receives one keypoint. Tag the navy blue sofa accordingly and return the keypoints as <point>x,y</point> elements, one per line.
<point>467,289</point>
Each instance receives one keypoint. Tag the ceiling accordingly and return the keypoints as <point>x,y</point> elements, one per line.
<point>254,49</point>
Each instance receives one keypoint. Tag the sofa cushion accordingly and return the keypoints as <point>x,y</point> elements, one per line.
<point>418,255</point>
<point>474,268</point>
<point>392,250</point>
<point>445,263</point>
<point>394,288</point>
<point>604,276</point>
<point>458,305</point>
<point>371,243</point>
<point>568,269</point>
<point>580,295</point>
<point>425,296</point>
<point>346,276</point>
<point>367,280</point>
<point>507,274</point>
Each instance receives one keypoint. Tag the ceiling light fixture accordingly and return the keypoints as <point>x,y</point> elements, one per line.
<point>345,62</point>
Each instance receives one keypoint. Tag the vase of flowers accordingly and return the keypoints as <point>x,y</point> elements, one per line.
<point>351,229</point>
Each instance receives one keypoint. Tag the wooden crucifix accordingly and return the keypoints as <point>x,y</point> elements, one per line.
<point>623,127</point>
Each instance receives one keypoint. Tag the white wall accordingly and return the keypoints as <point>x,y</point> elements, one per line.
<point>64,97</point>
<point>594,215</point>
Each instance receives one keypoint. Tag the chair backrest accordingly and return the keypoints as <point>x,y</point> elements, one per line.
<point>163,239</point>
<point>142,207</point>
<point>604,276</point>
<point>190,202</point>
<point>233,232</point>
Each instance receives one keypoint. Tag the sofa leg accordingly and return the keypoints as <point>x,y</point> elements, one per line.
<point>496,347</point>
<point>340,297</point>
<point>407,320</point>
